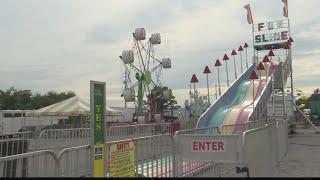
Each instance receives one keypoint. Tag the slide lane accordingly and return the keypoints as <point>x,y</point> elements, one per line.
<point>235,111</point>
<point>235,94</point>
<point>245,113</point>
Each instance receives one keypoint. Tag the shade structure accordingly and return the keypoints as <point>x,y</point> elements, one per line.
<point>245,45</point>
<point>73,106</point>
<point>240,48</point>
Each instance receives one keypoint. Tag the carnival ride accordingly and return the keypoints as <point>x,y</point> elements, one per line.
<point>144,75</point>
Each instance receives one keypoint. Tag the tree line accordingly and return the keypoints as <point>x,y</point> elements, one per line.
<point>19,99</point>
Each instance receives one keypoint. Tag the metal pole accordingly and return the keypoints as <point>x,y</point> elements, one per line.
<point>194,92</point>
<point>267,93</point>
<point>283,93</point>
<point>253,99</point>
<point>246,58</point>
<point>216,91</point>
<point>219,82</point>
<point>235,69</point>
<point>208,89</point>
<point>241,62</point>
<point>253,40</point>
<point>227,73</point>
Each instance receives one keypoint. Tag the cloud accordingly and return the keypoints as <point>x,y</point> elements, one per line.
<point>59,45</point>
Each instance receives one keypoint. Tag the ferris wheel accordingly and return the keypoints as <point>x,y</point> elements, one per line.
<point>143,71</point>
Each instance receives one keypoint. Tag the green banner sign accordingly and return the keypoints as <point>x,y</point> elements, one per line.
<point>97,111</point>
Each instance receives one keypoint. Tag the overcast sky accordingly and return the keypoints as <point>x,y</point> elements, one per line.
<point>61,45</point>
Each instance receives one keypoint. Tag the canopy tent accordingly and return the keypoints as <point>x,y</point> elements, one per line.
<point>70,107</point>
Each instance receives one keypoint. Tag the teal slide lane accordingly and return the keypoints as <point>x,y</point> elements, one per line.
<point>215,114</point>
<point>218,117</point>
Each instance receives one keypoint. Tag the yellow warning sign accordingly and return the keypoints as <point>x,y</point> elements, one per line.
<point>122,159</point>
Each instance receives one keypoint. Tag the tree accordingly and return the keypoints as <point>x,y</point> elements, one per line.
<point>13,99</point>
<point>163,103</point>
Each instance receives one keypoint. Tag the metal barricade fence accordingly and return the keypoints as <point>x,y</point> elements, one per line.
<point>57,139</point>
<point>154,155</point>
<point>32,164</point>
<point>187,168</point>
<point>75,162</point>
<point>14,143</point>
<point>161,155</point>
<point>240,128</point>
<point>282,132</point>
<point>134,131</point>
<point>259,145</point>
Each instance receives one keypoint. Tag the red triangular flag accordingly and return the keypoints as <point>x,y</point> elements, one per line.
<point>225,57</point>
<point>266,59</point>
<point>217,63</point>
<point>233,52</point>
<point>260,66</point>
<point>291,40</point>
<point>194,79</point>
<point>240,48</point>
<point>245,45</point>
<point>206,70</point>
<point>288,42</point>
<point>287,46</point>
<point>253,75</point>
<point>270,53</point>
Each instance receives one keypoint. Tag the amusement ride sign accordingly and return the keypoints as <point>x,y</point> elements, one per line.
<point>271,35</point>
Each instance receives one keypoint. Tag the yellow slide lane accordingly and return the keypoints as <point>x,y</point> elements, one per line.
<point>234,112</point>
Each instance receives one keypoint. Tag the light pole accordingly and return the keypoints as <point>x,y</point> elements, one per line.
<point>265,61</point>
<point>240,51</point>
<point>217,64</point>
<point>194,80</point>
<point>260,68</point>
<point>233,53</point>
<point>270,54</point>
<point>246,47</point>
<point>226,58</point>
<point>207,71</point>
<point>253,76</point>
<point>287,47</point>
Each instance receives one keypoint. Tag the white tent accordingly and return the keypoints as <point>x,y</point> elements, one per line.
<point>70,107</point>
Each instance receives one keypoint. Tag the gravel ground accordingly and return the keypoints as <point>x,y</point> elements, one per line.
<point>303,158</point>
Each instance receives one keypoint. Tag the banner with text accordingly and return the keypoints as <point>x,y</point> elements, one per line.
<point>223,148</point>
<point>271,35</point>
<point>98,110</point>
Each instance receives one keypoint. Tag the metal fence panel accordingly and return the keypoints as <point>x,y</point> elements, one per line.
<point>75,162</point>
<point>154,155</point>
<point>282,132</point>
<point>259,152</point>
<point>141,130</point>
<point>33,164</point>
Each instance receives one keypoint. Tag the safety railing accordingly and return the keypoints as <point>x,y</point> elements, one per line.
<point>166,155</point>
<point>75,162</point>
<point>57,139</point>
<point>32,164</point>
<point>240,128</point>
<point>141,130</point>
